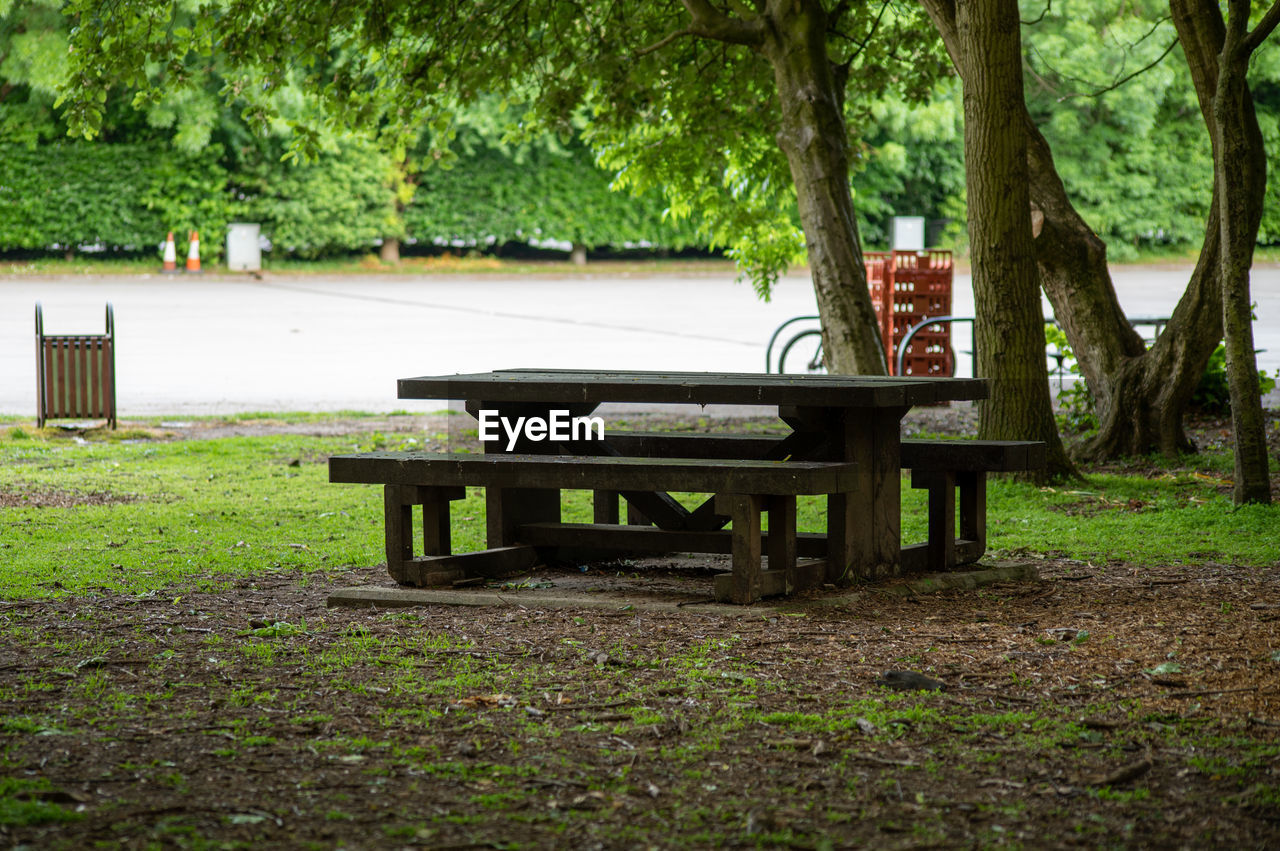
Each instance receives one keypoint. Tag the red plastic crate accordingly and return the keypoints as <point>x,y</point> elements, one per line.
<point>906,288</point>
<point>938,365</point>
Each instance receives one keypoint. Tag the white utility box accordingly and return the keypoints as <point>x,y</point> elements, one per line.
<point>244,252</point>
<point>908,233</point>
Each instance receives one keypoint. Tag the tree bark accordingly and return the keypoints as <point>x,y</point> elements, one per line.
<point>812,135</point>
<point>1241,181</point>
<point>390,250</point>
<point>1140,394</point>
<point>986,46</point>
<point>1218,56</point>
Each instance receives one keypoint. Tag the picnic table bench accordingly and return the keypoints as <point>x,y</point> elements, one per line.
<point>844,445</point>
<point>743,491</point>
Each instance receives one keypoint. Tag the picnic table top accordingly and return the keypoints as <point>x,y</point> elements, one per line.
<point>578,386</point>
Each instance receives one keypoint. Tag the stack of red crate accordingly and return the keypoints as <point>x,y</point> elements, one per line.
<point>908,287</point>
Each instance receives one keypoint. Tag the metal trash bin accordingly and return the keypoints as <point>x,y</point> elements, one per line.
<point>75,373</point>
<point>244,253</point>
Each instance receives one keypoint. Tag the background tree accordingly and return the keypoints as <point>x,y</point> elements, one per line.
<point>1106,85</point>
<point>1218,55</point>
<point>910,163</point>
<point>1141,394</point>
<point>33,62</point>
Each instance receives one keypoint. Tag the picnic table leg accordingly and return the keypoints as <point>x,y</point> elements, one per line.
<point>941,485</point>
<point>604,507</point>
<point>782,538</point>
<point>973,509</point>
<point>506,509</point>
<point>744,509</point>
<point>398,503</point>
<point>436,540</point>
<point>635,517</point>
<point>398,528</point>
<point>864,526</point>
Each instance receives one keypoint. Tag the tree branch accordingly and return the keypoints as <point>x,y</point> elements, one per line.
<point>661,43</point>
<point>710,22</point>
<point>1118,83</point>
<point>943,14</point>
<point>838,12</point>
<point>1254,39</point>
<point>862,45</point>
<point>1047,5</point>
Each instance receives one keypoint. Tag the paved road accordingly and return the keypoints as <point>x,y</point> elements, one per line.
<point>214,345</point>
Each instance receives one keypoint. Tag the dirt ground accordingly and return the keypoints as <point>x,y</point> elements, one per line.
<point>588,736</point>
<point>1101,706</point>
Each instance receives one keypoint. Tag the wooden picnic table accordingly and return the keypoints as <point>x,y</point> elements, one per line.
<point>850,419</point>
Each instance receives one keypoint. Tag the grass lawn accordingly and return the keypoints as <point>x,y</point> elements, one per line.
<point>137,514</point>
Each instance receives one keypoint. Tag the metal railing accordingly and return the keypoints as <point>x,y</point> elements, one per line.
<point>814,362</point>
<point>768,352</point>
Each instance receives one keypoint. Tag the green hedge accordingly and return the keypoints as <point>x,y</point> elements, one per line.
<point>490,196</point>
<point>117,196</point>
<point>126,197</point>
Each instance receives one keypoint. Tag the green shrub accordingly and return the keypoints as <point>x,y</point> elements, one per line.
<point>117,197</point>
<point>492,196</point>
<point>1076,414</point>
<point>1212,395</point>
<point>1076,410</point>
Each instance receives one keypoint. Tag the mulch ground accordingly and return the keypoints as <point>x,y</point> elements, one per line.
<point>180,732</point>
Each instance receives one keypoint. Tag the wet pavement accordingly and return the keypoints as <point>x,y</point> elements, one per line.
<point>208,345</point>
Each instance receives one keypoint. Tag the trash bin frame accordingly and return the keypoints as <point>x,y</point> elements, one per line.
<point>75,373</point>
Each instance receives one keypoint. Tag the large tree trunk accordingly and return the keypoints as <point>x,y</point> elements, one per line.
<point>1141,395</point>
<point>1241,166</point>
<point>792,36</point>
<point>985,44</point>
<point>812,134</point>
<point>1218,56</point>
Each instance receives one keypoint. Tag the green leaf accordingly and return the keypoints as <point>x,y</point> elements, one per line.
<point>1166,668</point>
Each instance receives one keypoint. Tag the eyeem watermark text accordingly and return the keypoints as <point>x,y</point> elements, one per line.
<point>558,425</point>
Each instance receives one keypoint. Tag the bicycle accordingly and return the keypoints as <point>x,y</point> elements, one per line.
<point>802,353</point>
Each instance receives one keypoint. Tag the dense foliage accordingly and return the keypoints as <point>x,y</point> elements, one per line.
<point>339,202</point>
<point>111,196</point>
<point>1110,90</point>
<point>72,195</point>
<point>494,195</point>
<point>211,157</point>
<point>911,163</point>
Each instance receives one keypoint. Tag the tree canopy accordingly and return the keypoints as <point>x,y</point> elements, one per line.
<point>693,115</point>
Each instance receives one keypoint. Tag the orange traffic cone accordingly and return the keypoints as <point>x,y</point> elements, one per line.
<point>170,256</point>
<point>193,254</point>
